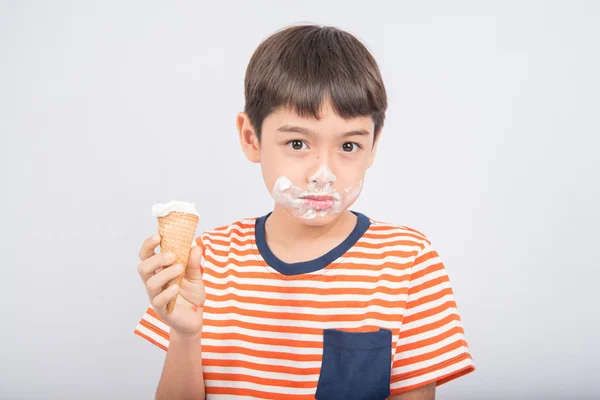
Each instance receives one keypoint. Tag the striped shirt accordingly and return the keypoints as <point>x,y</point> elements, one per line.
<point>372,318</point>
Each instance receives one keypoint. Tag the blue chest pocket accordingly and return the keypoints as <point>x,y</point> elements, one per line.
<point>355,365</point>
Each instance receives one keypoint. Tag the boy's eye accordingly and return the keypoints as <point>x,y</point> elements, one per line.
<point>349,147</point>
<point>296,144</point>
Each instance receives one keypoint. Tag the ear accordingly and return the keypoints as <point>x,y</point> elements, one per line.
<point>248,138</point>
<point>373,151</point>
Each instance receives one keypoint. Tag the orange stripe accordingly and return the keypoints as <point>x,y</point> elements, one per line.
<point>303,290</point>
<point>424,257</point>
<point>431,297</point>
<point>301,317</point>
<point>255,393</point>
<point>430,341</point>
<point>239,224</point>
<point>150,339</point>
<point>357,254</point>
<point>430,312</point>
<point>261,340</point>
<point>428,327</point>
<point>314,278</point>
<point>259,367</point>
<point>230,233</point>
<point>154,329</point>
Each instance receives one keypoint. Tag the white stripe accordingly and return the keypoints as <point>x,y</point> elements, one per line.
<point>261,374</point>
<point>428,363</point>
<point>207,355</point>
<point>159,324</point>
<point>429,334</point>
<point>431,375</point>
<point>425,264</point>
<point>431,290</point>
<point>324,298</point>
<point>416,244</point>
<point>263,347</point>
<point>430,348</point>
<point>305,310</point>
<point>426,278</point>
<point>429,306</point>
<point>276,390</point>
<point>398,270</point>
<point>292,322</point>
<point>242,237</point>
<point>298,337</point>
<point>152,335</point>
<point>220,247</point>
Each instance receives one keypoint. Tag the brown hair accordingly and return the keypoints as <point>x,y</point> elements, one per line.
<point>301,66</point>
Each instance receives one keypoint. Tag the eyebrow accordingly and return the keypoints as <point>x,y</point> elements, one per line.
<point>308,132</point>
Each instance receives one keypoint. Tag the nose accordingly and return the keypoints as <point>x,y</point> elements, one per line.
<point>322,176</point>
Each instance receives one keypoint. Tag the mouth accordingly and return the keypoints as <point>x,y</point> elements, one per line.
<point>318,201</point>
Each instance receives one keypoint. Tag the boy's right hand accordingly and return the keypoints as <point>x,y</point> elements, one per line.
<point>156,270</point>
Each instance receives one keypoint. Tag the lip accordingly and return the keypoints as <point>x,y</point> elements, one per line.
<point>318,197</point>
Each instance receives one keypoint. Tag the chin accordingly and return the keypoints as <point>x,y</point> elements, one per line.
<point>319,219</point>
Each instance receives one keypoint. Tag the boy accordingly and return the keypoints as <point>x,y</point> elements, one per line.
<point>311,300</point>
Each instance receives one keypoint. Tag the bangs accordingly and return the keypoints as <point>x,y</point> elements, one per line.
<point>303,67</point>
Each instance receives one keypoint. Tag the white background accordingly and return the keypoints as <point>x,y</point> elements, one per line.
<point>489,148</point>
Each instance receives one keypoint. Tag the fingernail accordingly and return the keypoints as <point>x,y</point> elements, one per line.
<point>155,238</point>
<point>170,256</point>
<point>174,288</point>
<point>178,268</point>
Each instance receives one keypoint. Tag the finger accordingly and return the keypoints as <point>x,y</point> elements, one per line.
<point>148,268</point>
<point>159,302</point>
<point>156,283</point>
<point>148,247</point>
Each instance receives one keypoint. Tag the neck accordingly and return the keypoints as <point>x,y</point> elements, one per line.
<point>284,228</point>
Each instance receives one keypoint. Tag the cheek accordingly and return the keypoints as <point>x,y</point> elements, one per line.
<point>350,193</point>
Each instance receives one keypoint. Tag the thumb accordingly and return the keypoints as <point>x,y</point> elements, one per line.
<point>193,270</point>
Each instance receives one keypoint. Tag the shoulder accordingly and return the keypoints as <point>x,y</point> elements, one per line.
<point>239,229</point>
<point>381,232</point>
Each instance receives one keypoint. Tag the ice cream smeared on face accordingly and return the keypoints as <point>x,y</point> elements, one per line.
<point>323,174</point>
<point>318,199</point>
<point>162,210</point>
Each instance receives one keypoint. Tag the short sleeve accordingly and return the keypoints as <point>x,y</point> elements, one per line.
<point>431,346</point>
<point>151,327</point>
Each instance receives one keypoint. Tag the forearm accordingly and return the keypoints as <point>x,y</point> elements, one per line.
<point>182,373</point>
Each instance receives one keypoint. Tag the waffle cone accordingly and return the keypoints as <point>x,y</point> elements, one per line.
<point>177,231</point>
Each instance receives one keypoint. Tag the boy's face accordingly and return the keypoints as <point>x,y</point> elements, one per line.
<point>313,169</point>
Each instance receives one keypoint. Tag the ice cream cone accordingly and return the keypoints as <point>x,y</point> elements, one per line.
<point>177,230</point>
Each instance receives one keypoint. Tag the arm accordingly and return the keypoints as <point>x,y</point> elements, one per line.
<point>182,373</point>
<point>426,392</point>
